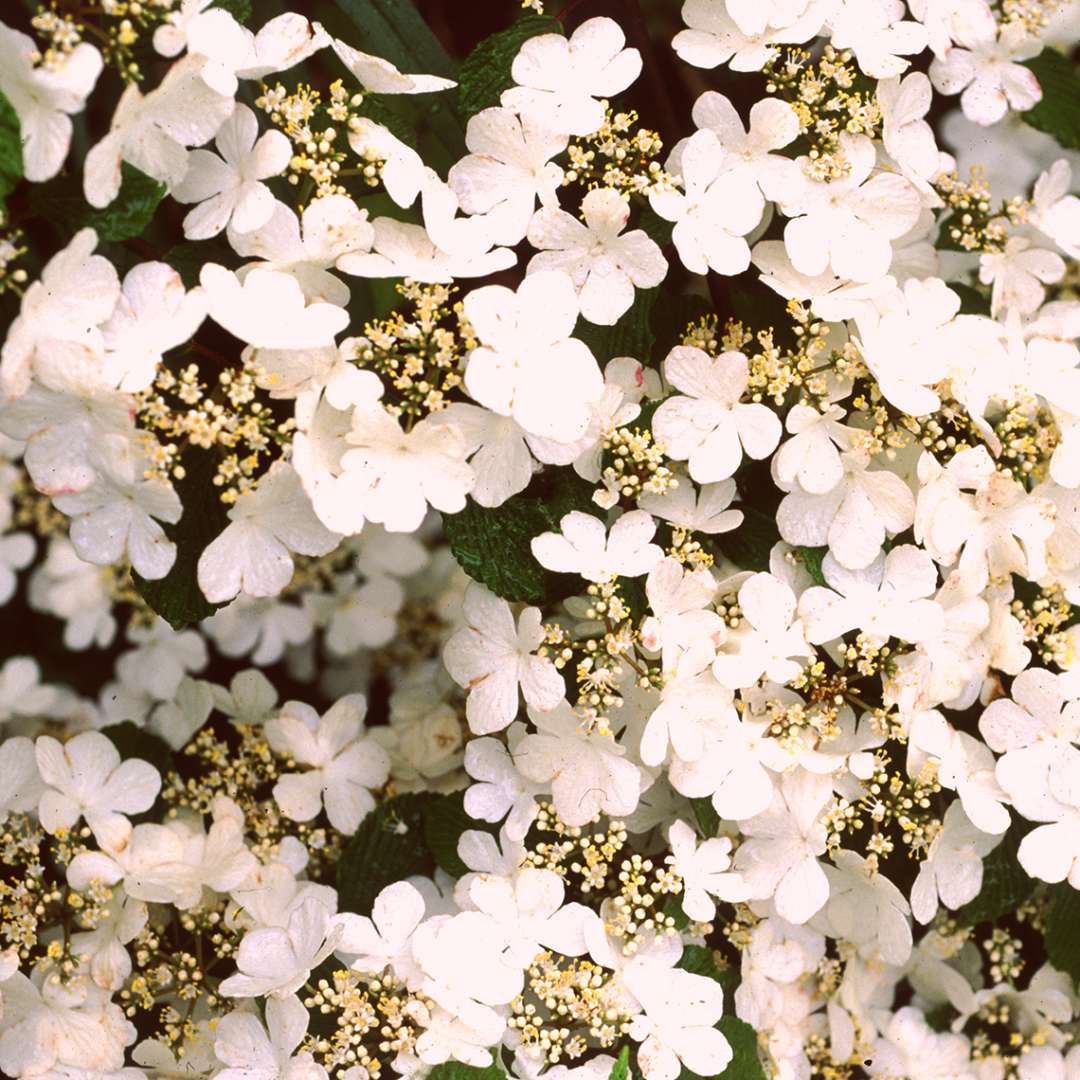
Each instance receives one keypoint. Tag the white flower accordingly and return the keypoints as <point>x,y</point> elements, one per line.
<point>276,961</point>
<point>371,944</point>
<point>714,210</point>
<point>530,913</point>
<point>867,909</point>
<point>847,223</point>
<point>253,553</point>
<point>908,1046</point>
<point>61,313</point>
<point>85,778</point>
<point>952,870</point>
<point>233,52</point>
<point>264,628</point>
<point>559,79</point>
<point>767,638</point>
<point>152,132</point>
<point>749,154</point>
<point>707,424</point>
<point>586,770</point>
<point>584,547</point>
<point>17,552</point>
<point>22,783</point>
<point>704,869</point>
<point>905,346</point>
<point>161,658</point>
<point>702,510</point>
<point>228,188</point>
<point>501,791</point>
<point>877,33</point>
<point>403,250</point>
<point>491,658</point>
<point>723,32</point>
<point>118,514</point>
<point>907,136</point>
<point>253,1052</point>
<point>852,518</point>
<point>392,475</point>
<point>810,459</point>
<point>678,1023</point>
<point>308,247</point>
<point>885,599</point>
<point>527,365</point>
<point>345,766</point>
<point>379,76</point>
<point>269,309</point>
<point>985,68</point>
<point>1056,212</point>
<point>154,313</point>
<point>1018,275</point>
<point>466,970</point>
<point>604,266</point>
<point>45,96</point>
<point>779,858</point>
<point>509,166</point>
<point>680,627</point>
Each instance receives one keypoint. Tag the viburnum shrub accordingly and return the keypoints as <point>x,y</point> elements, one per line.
<point>555,557</point>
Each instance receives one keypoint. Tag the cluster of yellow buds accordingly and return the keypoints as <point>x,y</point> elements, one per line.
<point>234,419</point>
<point>822,95</point>
<point>419,353</point>
<point>619,155</point>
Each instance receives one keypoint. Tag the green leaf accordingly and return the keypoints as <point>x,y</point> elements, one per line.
<point>177,597</point>
<point>621,1068</point>
<point>395,30</point>
<point>63,202</point>
<point>485,72</point>
<point>657,229</point>
<point>240,10</point>
<point>1058,113</point>
<point>445,820</point>
<point>811,559</point>
<point>749,545</point>
<point>454,1070</point>
<point>632,335</point>
<point>492,545</point>
<point>388,846</point>
<point>190,256</point>
<point>11,158</point>
<point>136,742</point>
<point>708,820</point>
<point>1063,930</point>
<point>1005,885</point>
<point>745,1063</point>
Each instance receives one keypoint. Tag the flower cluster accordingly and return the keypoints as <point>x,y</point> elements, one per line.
<point>570,575</point>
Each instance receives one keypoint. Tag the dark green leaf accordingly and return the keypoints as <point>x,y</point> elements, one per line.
<point>137,742</point>
<point>189,257</point>
<point>11,159</point>
<point>63,202</point>
<point>658,229</point>
<point>749,545</point>
<point>1063,930</point>
<point>1005,885</point>
<point>240,10</point>
<point>1058,113</point>
<point>388,846</point>
<point>395,30</point>
<point>671,318</point>
<point>811,559</point>
<point>632,335</point>
<point>485,72</point>
<point>621,1069</point>
<point>745,1063</point>
<point>493,544</point>
<point>699,960</point>
<point>454,1070</point>
<point>177,597</point>
<point>386,109</point>
<point>972,301</point>
<point>445,820</point>
<point>708,820</point>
